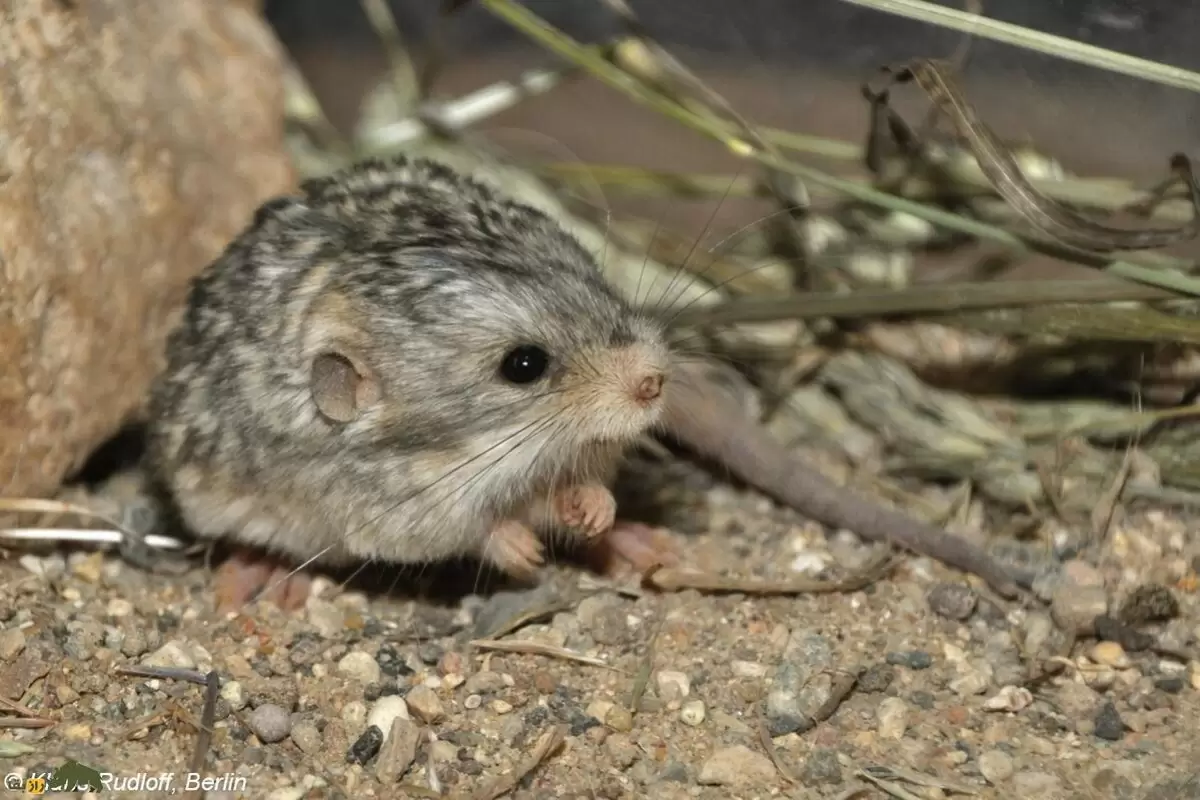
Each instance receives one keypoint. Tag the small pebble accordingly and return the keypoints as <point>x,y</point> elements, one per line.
<point>1149,603</point>
<point>119,607</point>
<point>737,766</point>
<point>996,766</point>
<point>269,723</point>
<point>1172,684</point>
<point>472,702</point>
<point>424,703</point>
<point>234,694</point>
<point>1108,723</point>
<point>975,677</point>
<point>748,669</point>
<point>500,706</point>
<point>619,719</point>
<point>1009,698</point>
<point>398,752</point>
<point>913,659</point>
<point>12,642</point>
<point>443,751</point>
<point>327,618</point>
<point>365,746</point>
<point>876,679</point>
<point>307,738</point>
<point>361,667</point>
<point>1037,786</point>
<point>1110,654</point>
<point>822,767</point>
<point>672,686</point>
<point>692,713</point>
<point>171,654</point>
<point>621,749</point>
<point>354,714</point>
<point>386,709</point>
<point>544,682</point>
<point>485,682</point>
<point>892,715</point>
<point>1078,598</point>
<point>952,600</point>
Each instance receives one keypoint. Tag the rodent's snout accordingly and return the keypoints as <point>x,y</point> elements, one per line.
<point>648,389</point>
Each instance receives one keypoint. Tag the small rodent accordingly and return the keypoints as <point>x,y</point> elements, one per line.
<point>399,364</point>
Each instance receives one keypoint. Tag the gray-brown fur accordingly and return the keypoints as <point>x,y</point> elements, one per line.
<point>427,279</point>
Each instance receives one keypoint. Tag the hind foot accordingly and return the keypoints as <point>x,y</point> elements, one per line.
<point>635,544</point>
<point>589,508</point>
<point>246,576</point>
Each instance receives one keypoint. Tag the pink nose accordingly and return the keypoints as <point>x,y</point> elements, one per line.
<point>648,388</point>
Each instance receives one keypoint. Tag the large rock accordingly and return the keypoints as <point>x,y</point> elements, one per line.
<point>136,139</point>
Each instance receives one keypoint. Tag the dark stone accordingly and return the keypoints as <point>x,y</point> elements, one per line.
<point>913,659</point>
<point>1109,725</point>
<point>367,745</point>
<point>952,600</point>
<point>1149,603</point>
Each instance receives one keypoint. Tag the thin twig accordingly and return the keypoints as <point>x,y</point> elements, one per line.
<point>89,535</point>
<point>642,677</point>
<point>528,616</point>
<point>671,579</point>
<point>1019,36</point>
<point>549,741</point>
<point>764,740</point>
<point>208,718</point>
<point>931,298</point>
<point>539,649</point>
<point>464,111</point>
<point>165,673</point>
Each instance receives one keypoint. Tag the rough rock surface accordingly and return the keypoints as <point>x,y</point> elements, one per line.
<point>135,141</point>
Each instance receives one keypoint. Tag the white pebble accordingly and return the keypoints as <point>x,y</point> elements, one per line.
<point>361,667</point>
<point>472,702</point>
<point>354,714</point>
<point>748,669</point>
<point>811,562</point>
<point>234,694</point>
<point>692,713</point>
<point>1009,698</point>
<point>673,686</point>
<point>893,718</point>
<point>386,709</point>
<point>996,766</point>
<point>500,706</point>
<point>173,654</point>
<point>119,607</point>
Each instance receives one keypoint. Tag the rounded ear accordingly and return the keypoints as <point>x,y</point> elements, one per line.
<point>342,386</point>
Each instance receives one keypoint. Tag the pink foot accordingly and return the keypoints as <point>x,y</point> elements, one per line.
<point>244,574</point>
<point>589,508</point>
<point>636,544</point>
<point>514,548</point>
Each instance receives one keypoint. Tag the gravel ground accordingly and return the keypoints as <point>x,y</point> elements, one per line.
<point>365,693</point>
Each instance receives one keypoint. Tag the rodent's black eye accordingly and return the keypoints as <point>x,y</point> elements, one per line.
<point>524,364</point>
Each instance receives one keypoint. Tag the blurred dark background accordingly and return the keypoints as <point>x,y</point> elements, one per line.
<point>795,64</point>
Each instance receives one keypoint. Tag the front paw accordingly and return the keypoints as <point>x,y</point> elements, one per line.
<point>590,508</point>
<point>514,548</point>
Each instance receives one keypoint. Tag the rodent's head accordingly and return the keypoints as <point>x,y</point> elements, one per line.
<point>438,315</point>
